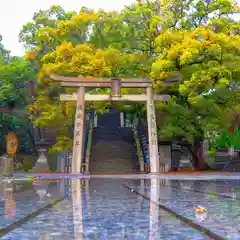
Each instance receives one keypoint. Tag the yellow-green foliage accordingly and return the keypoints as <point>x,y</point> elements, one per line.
<point>150,39</point>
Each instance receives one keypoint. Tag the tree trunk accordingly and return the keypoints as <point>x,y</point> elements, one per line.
<point>198,156</point>
<point>32,140</point>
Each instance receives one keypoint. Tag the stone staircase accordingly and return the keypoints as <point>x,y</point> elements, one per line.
<point>113,149</point>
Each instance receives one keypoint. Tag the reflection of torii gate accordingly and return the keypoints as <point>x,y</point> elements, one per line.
<point>115,85</point>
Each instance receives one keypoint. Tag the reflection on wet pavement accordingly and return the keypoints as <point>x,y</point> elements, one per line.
<point>223,213</point>
<point>111,209</point>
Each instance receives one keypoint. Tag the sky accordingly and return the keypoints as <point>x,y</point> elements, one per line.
<point>15,13</point>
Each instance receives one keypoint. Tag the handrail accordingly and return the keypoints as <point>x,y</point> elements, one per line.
<point>139,150</point>
<point>85,140</point>
<point>89,145</point>
<point>144,145</point>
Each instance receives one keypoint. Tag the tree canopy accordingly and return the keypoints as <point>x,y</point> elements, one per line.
<point>193,43</point>
<point>16,80</point>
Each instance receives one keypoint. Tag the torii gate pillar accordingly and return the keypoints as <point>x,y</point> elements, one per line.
<point>152,132</point>
<point>78,132</point>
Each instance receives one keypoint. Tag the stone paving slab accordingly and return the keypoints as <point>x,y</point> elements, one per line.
<point>223,213</point>
<point>26,202</point>
<point>108,211</point>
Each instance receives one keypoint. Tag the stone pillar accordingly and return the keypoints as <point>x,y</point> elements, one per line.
<point>95,120</point>
<point>165,156</point>
<point>8,166</point>
<point>78,132</point>
<point>121,119</point>
<point>152,132</point>
<point>41,164</point>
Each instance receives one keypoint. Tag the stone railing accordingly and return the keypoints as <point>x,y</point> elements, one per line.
<point>164,152</point>
<point>89,143</point>
<point>144,145</point>
<point>139,150</point>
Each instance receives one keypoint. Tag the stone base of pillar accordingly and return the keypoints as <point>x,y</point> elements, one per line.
<point>41,164</point>
<point>7,166</point>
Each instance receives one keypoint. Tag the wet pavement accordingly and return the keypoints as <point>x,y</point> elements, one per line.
<point>120,208</point>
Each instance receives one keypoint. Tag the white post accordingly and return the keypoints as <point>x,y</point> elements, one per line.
<point>152,133</point>
<point>122,119</point>
<point>95,120</point>
<point>78,132</point>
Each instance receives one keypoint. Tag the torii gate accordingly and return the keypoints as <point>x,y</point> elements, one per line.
<point>115,85</point>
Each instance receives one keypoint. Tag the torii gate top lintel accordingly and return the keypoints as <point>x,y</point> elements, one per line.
<point>92,82</point>
<point>60,78</point>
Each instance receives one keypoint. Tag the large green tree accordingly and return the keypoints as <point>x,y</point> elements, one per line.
<point>16,75</point>
<point>153,39</point>
<point>206,64</point>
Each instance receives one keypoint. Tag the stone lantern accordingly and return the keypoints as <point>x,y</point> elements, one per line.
<point>42,164</point>
<point>41,188</point>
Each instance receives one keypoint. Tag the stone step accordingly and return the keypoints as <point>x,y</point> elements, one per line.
<point>106,149</point>
<point>113,147</point>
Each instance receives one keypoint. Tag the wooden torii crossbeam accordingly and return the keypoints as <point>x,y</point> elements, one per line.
<point>115,84</point>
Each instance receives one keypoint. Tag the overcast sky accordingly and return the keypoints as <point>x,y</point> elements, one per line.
<point>15,13</point>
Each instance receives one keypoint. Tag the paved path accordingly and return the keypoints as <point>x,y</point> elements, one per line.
<point>131,208</point>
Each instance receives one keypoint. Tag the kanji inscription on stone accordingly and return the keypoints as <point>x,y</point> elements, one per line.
<point>79,108</point>
<point>78,131</point>
<point>153,140</point>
